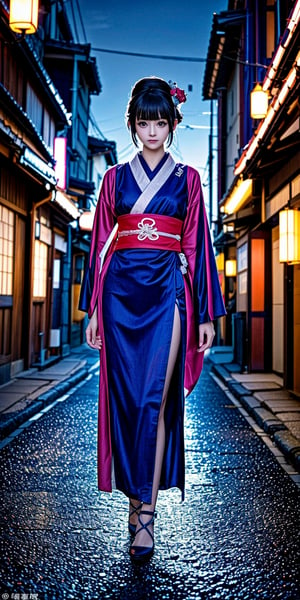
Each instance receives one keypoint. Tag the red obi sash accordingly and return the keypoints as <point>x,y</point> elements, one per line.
<point>149,231</point>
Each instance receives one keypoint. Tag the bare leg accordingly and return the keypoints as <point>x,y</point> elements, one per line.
<point>142,538</point>
<point>134,510</point>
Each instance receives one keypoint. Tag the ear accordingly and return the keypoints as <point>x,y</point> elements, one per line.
<point>128,124</point>
<point>175,124</point>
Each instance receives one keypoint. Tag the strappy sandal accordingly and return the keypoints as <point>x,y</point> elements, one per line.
<point>133,510</point>
<point>143,553</point>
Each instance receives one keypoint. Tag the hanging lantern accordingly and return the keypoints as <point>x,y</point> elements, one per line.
<point>289,236</point>
<point>86,220</point>
<point>230,268</point>
<point>258,102</point>
<point>23,16</point>
<point>220,262</point>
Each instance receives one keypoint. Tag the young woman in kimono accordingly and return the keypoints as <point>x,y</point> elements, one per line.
<point>151,304</point>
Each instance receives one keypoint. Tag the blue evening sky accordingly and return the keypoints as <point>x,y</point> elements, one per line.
<point>162,27</point>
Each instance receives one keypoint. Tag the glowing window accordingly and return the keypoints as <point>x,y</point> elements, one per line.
<point>6,251</point>
<point>40,270</point>
<point>242,266</point>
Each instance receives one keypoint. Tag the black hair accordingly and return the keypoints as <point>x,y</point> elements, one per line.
<point>151,100</point>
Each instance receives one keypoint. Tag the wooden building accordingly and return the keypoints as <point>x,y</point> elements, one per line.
<point>31,112</point>
<point>259,175</point>
<point>46,83</point>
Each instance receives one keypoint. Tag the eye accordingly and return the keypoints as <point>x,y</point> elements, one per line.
<point>162,123</point>
<point>142,123</point>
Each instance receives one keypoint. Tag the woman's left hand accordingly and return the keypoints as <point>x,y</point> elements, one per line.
<point>206,336</point>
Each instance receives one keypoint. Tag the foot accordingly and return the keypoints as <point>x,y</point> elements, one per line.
<point>142,546</point>
<point>134,511</point>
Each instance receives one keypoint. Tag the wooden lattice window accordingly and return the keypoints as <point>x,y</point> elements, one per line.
<point>40,269</point>
<point>6,251</point>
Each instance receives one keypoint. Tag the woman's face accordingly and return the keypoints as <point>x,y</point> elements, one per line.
<point>152,134</point>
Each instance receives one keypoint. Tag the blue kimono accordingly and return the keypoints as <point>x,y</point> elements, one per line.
<point>136,294</point>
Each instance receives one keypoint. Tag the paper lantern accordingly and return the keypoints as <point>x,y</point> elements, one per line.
<point>289,236</point>
<point>258,102</point>
<point>23,16</point>
<point>230,268</point>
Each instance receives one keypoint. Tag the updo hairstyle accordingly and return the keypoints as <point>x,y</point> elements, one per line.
<point>151,100</point>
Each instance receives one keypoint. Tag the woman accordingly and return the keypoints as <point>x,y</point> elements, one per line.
<point>151,308</point>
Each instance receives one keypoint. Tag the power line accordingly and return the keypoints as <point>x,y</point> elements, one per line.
<point>121,128</point>
<point>145,55</point>
<point>194,127</point>
<point>194,59</point>
<point>126,149</point>
<point>95,126</point>
<point>176,148</point>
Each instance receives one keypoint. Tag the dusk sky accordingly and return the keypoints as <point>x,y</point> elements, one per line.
<point>161,27</point>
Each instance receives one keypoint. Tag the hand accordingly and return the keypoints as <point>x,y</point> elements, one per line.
<point>93,339</point>
<point>206,336</point>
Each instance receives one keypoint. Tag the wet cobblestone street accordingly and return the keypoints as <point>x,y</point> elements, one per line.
<point>236,536</point>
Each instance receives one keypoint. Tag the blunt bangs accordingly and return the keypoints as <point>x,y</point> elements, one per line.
<point>153,109</point>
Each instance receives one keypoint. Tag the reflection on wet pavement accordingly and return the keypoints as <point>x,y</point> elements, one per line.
<point>236,535</point>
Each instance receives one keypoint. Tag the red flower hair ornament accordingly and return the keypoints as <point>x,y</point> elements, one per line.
<point>178,95</point>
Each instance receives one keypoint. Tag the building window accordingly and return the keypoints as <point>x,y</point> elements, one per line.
<point>11,74</point>
<point>46,127</point>
<point>242,268</point>
<point>56,273</point>
<point>40,270</point>
<point>48,130</point>
<point>6,251</point>
<point>270,29</point>
<point>34,108</point>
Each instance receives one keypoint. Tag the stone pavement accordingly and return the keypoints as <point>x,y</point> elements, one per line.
<point>33,390</point>
<point>235,536</point>
<point>264,398</point>
<point>262,395</point>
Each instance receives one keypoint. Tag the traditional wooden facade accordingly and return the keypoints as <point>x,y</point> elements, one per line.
<point>46,83</point>
<point>259,172</point>
<point>75,73</point>
<point>31,112</point>
<point>101,155</point>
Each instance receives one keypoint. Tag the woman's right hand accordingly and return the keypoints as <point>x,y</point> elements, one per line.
<point>93,339</point>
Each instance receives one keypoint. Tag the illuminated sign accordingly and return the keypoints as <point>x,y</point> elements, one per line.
<point>60,155</point>
<point>32,160</point>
